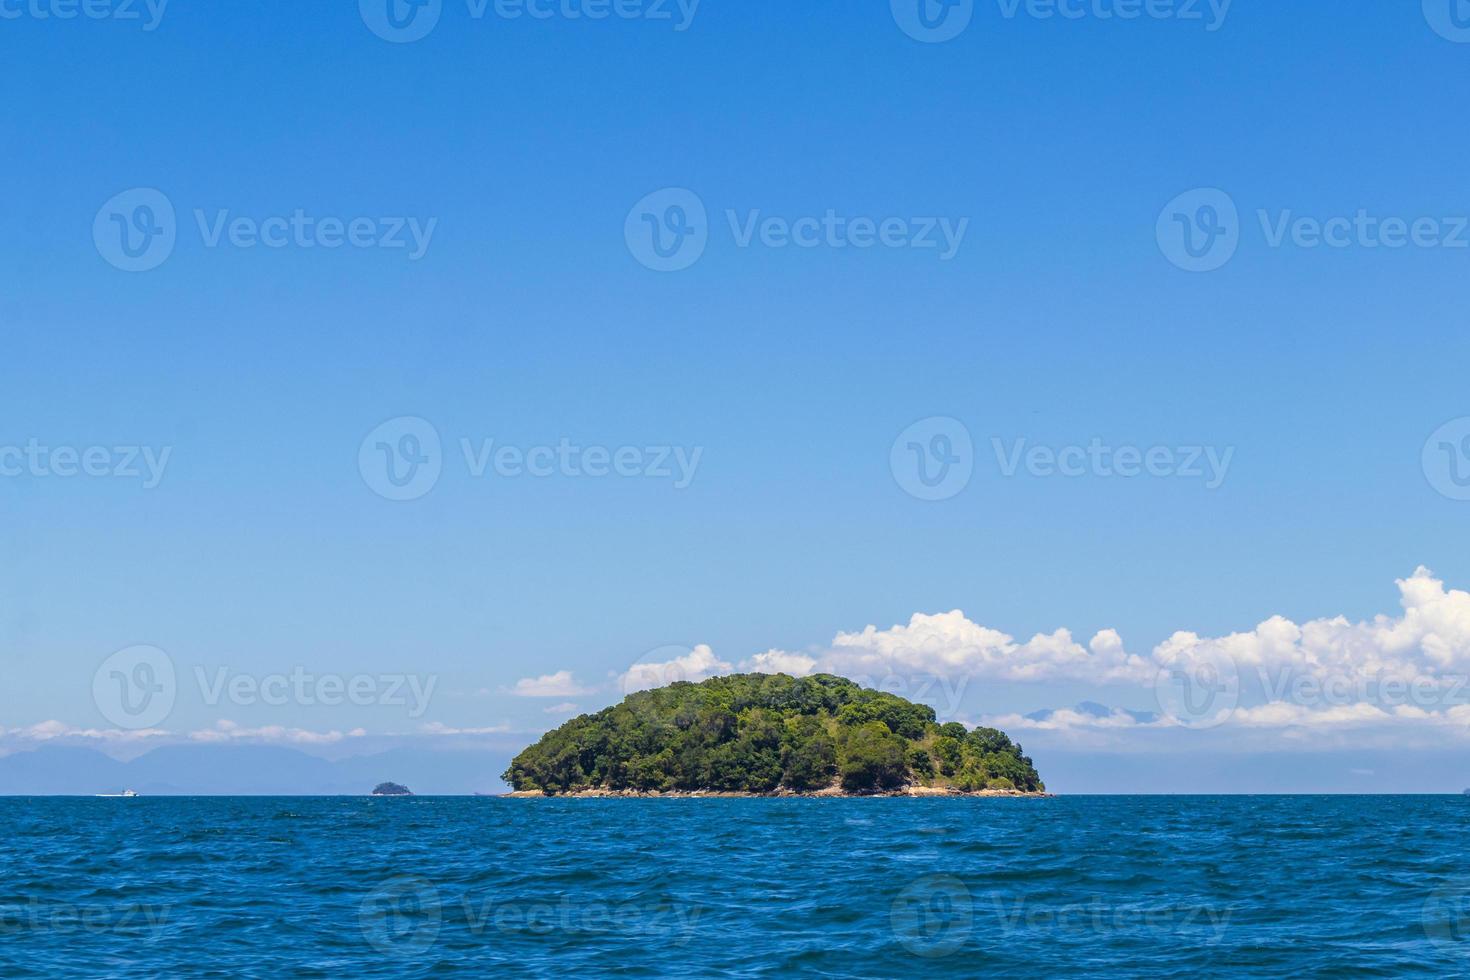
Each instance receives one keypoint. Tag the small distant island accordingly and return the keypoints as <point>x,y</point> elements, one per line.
<point>392,789</point>
<point>770,735</point>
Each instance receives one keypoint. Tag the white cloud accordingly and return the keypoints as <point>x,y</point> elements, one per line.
<point>698,664</point>
<point>943,645</point>
<point>1261,723</point>
<point>557,685</point>
<point>53,730</point>
<point>229,731</point>
<point>1430,642</point>
<point>222,732</point>
<point>1067,719</point>
<point>439,728</point>
<point>780,662</point>
<point>1430,639</point>
<point>1284,714</point>
<point>1401,677</point>
<point>951,645</point>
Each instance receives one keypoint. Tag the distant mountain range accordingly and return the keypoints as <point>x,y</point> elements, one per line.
<point>246,770</point>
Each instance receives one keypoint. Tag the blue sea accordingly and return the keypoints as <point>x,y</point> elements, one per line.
<point>419,887</point>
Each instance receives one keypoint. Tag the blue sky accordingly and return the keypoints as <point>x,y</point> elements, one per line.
<point>1059,320</point>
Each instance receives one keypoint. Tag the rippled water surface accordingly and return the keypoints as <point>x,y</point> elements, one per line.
<point>1074,886</point>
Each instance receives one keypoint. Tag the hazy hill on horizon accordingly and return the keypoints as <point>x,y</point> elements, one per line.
<point>230,770</point>
<point>246,770</point>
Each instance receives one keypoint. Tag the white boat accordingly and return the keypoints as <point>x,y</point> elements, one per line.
<point>115,796</point>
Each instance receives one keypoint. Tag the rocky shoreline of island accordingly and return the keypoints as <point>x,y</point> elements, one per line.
<point>835,792</point>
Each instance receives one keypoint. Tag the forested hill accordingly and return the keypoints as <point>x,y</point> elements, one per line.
<point>766,733</point>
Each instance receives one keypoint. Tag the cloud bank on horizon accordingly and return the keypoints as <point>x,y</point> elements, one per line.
<point>227,731</point>
<point>1315,682</point>
<point>1410,670</point>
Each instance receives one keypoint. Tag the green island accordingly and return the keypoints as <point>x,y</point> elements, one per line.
<point>770,734</point>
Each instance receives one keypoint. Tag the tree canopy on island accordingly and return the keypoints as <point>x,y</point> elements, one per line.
<point>392,789</point>
<point>762,733</point>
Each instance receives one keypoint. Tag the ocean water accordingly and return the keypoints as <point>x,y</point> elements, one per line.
<point>419,887</point>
